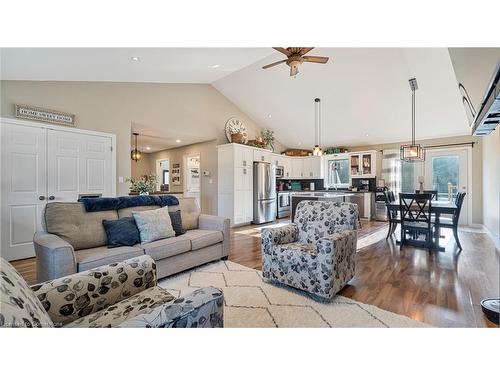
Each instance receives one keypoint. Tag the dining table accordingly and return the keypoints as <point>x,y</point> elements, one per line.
<point>437,208</point>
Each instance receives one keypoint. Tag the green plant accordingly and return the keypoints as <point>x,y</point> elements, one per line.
<point>268,138</point>
<point>143,184</point>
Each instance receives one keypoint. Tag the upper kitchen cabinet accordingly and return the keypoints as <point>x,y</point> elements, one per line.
<point>312,167</point>
<point>297,167</point>
<point>260,155</point>
<point>243,156</point>
<point>363,164</point>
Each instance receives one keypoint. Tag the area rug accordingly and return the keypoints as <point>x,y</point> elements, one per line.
<point>249,302</point>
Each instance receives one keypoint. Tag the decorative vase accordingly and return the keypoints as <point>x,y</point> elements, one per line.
<point>237,138</point>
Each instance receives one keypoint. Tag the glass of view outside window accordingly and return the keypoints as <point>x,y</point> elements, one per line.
<point>445,172</point>
<point>338,173</point>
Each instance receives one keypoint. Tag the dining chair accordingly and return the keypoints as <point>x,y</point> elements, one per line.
<point>392,215</point>
<point>452,223</point>
<point>434,193</point>
<point>415,219</point>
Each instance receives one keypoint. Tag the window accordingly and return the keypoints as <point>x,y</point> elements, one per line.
<point>445,173</point>
<point>338,173</point>
<point>408,177</point>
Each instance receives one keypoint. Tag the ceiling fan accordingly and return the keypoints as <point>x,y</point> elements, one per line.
<point>295,57</point>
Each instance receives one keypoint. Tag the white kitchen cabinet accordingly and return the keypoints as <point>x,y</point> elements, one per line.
<point>235,183</point>
<point>312,167</point>
<point>297,167</point>
<point>262,156</point>
<point>363,164</point>
<point>287,166</point>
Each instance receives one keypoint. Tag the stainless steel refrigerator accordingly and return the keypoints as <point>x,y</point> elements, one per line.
<point>264,192</point>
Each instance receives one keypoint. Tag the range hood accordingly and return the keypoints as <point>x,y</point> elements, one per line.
<point>488,115</point>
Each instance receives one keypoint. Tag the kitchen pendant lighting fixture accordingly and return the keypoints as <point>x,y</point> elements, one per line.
<point>317,151</point>
<point>414,152</point>
<point>135,154</point>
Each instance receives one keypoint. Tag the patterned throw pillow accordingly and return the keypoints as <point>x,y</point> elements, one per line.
<point>121,232</point>
<point>176,218</point>
<point>154,224</point>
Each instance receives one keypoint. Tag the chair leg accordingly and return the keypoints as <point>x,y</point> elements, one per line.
<point>402,238</point>
<point>455,234</point>
<point>389,231</point>
<point>394,227</point>
<point>359,223</point>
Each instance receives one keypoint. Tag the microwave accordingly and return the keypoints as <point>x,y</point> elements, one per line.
<point>280,172</point>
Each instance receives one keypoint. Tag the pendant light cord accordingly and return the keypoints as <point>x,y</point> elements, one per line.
<point>413,117</point>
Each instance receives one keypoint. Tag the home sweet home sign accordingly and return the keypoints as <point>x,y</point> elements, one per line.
<point>46,115</point>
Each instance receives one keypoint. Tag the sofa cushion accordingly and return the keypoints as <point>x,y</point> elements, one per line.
<point>137,304</point>
<point>154,225</point>
<point>167,247</point>
<point>19,306</point>
<point>121,232</point>
<point>127,212</point>
<point>201,238</point>
<point>81,229</point>
<point>190,213</point>
<point>100,256</point>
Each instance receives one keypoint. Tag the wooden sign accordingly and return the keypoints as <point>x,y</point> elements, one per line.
<point>46,115</point>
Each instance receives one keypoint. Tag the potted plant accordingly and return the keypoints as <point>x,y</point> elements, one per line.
<point>144,184</point>
<point>268,138</point>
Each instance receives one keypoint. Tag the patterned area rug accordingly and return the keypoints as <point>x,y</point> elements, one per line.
<point>250,302</point>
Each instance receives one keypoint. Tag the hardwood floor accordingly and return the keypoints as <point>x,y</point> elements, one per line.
<point>442,289</point>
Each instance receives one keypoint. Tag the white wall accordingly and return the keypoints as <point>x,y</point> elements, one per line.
<point>491,182</point>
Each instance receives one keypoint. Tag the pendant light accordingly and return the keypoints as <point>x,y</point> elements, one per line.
<point>414,152</point>
<point>317,151</point>
<point>135,154</point>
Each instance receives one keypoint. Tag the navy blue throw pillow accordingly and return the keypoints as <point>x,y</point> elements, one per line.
<point>121,232</point>
<point>176,219</point>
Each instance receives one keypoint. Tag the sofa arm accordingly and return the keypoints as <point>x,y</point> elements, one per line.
<point>54,256</point>
<point>211,222</point>
<point>74,296</point>
<point>201,309</point>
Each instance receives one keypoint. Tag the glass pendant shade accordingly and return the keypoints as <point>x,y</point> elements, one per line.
<point>317,151</point>
<point>412,153</point>
<point>135,154</point>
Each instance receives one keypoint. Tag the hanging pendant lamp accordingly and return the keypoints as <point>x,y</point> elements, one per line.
<point>414,152</point>
<point>135,154</point>
<point>317,151</point>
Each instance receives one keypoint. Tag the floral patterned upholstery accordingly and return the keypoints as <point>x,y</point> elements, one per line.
<point>317,252</point>
<point>121,294</point>
<point>19,307</point>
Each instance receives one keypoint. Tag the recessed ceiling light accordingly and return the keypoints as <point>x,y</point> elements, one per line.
<point>134,58</point>
<point>178,140</point>
<point>148,148</point>
<point>216,66</point>
<point>367,135</point>
<point>300,143</point>
<point>269,116</point>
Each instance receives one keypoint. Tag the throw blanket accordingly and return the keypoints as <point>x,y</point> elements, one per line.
<point>107,204</point>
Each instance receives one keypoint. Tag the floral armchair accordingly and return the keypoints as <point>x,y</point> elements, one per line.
<point>121,294</point>
<point>317,252</point>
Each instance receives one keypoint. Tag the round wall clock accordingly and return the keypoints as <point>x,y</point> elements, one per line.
<point>234,125</point>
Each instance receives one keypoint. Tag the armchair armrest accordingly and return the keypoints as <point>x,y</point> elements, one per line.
<point>271,237</point>
<point>201,309</point>
<point>211,222</point>
<point>54,256</point>
<point>71,297</point>
<point>338,243</point>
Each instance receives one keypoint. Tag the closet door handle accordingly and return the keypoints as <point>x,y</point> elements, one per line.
<point>41,198</point>
<point>51,198</point>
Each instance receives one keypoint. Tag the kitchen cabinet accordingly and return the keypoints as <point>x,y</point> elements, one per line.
<point>297,167</point>
<point>243,156</point>
<point>262,156</point>
<point>287,166</point>
<point>363,164</point>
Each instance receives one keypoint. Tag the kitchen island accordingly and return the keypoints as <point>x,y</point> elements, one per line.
<point>362,199</point>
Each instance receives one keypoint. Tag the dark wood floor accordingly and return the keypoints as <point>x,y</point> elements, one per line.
<point>442,289</point>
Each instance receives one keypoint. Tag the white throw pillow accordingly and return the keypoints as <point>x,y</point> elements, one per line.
<point>154,224</point>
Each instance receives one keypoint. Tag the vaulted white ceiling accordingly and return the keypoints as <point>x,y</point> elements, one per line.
<point>366,98</point>
<point>168,65</point>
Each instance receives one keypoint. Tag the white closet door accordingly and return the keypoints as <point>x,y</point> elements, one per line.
<point>78,164</point>
<point>23,188</point>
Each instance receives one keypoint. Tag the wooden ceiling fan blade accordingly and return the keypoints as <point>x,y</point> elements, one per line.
<point>305,50</point>
<point>273,64</point>
<point>316,59</point>
<point>283,50</point>
<point>294,70</point>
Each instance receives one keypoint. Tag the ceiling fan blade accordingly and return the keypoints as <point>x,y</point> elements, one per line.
<point>316,59</point>
<point>305,50</point>
<point>283,50</point>
<point>273,64</point>
<point>294,70</point>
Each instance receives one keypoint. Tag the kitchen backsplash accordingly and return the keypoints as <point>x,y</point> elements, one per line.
<point>318,184</point>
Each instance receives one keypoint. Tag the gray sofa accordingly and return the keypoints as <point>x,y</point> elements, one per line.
<point>74,240</point>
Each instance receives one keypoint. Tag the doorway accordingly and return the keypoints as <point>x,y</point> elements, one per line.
<point>447,171</point>
<point>192,180</point>
<point>163,173</point>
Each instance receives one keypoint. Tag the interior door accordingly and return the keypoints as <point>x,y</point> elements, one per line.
<point>23,188</point>
<point>78,164</point>
<point>447,172</point>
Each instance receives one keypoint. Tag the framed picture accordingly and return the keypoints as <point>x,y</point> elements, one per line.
<point>176,174</point>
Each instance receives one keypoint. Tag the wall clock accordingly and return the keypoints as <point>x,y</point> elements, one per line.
<point>235,125</point>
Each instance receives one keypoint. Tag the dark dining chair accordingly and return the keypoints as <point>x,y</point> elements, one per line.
<point>392,215</point>
<point>416,219</point>
<point>452,222</point>
<point>434,193</point>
